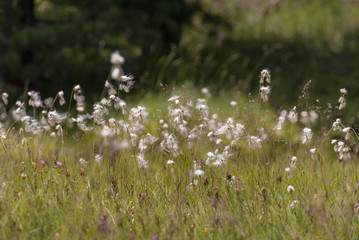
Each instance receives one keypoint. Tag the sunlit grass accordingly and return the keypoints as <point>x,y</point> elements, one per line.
<point>47,192</point>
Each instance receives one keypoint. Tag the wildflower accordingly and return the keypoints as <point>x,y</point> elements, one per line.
<point>54,117</point>
<point>206,92</point>
<point>201,106</point>
<point>58,164</point>
<point>116,72</point>
<point>42,163</point>
<point>254,142</point>
<point>218,159</point>
<point>293,115</point>
<point>3,131</point>
<point>262,133</point>
<point>138,114</point>
<point>347,133</point>
<point>82,171</point>
<point>83,161</point>
<point>279,127</point>
<point>342,99</point>
<point>59,130</point>
<point>293,162</point>
<point>32,125</point>
<point>103,220</point>
<point>344,153</point>
<point>35,99</point>
<point>116,58</point>
<point>170,145</point>
<point>264,92</point>
<point>205,181</point>
<point>198,172</point>
<point>290,189</point>
<point>233,104</point>
<point>126,83</point>
<point>288,171</point>
<point>342,150</point>
<point>173,98</point>
<point>304,117</point>
<point>23,175</point>
<point>98,158</point>
<point>265,75</point>
<point>60,95</point>
<point>230,129</point>
<point>4,97</point>
<point>77,88</point>
<point>19,112</point>
<point>313,116</point>
<point>215,192</point>
<point>150,139</point>
<point>342,102</point>
<point>170,162</point>
<point>307,135</point>
<point>48,102</point>
<point>99,113</point>
<point>337,125</point>
<point>79,98</point>
<point>293,204</point>
<point>142,163</point>
<point>312,152</point>
<point>110,88</point>
<point>107,132</point>
<point>335,143</point>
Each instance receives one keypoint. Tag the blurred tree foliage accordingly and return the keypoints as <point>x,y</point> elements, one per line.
<point>55,44</point>
<point>223,44</point>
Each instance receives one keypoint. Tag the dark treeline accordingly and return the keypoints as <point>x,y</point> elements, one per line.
<point>52,45</point>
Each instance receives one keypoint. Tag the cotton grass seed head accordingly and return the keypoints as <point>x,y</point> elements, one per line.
<point>307,135</point>
<point>264,76</point>
<point>116,58</point>
<point>290,189</point>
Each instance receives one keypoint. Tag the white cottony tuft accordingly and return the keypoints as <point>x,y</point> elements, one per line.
<point>116,58</point>
<point>60,95</point>
<point>337,125</point>
<point>307,135</point>
<point>206,92</point>
<point>35,99</point>
<point>290,189</point>
<point>264,91</point>
<point>83,161</point>
<point>265,76</point>
<point>233,104</point>
<point>293,115</point>
<point>342,100</point>
<point>254,142</point>
<point>198,172</point>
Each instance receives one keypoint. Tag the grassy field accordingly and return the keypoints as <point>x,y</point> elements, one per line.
<point>181,165</point>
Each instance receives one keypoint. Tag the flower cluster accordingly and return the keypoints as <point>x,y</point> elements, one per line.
<point>264,90</point>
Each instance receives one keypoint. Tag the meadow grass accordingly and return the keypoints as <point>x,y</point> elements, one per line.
<point>84,182</point>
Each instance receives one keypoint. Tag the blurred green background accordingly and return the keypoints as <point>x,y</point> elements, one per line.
<point>52,45</point>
